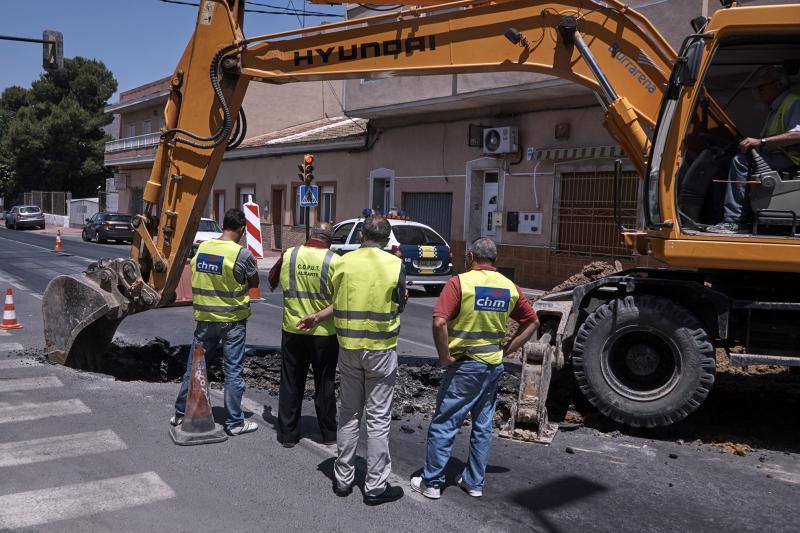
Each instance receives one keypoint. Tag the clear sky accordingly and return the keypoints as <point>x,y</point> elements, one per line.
<point>138,40</point>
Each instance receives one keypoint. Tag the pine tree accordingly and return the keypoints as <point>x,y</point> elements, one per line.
<point>51,135</point>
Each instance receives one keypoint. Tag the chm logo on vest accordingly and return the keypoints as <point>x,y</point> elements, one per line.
<point>492,299</point>
<point>209,264</point>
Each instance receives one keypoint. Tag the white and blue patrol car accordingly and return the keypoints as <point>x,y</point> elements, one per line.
<point>425,254</point>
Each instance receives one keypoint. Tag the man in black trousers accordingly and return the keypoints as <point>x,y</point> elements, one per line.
<point>304,273</point>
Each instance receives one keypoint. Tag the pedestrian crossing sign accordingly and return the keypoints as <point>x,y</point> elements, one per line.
<point>309,196</point>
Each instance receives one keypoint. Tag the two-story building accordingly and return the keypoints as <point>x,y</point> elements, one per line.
<point>139,114</point>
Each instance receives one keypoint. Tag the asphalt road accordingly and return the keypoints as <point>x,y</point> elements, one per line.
<point>26,260</point>
<point>81,452</point>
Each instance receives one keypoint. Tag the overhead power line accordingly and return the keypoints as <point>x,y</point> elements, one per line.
<point>283,10</point>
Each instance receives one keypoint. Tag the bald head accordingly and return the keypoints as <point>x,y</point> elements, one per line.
<point>322,231</point>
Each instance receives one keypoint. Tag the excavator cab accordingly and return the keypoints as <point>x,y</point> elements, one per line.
<point>731,106</point>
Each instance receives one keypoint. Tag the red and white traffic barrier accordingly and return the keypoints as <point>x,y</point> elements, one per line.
<point>253,218</point>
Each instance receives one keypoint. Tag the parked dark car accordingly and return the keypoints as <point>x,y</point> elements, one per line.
<point>108,226</point>
<point>25,216</point>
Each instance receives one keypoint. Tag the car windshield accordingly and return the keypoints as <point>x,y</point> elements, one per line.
<point>417,235</point>
<point>209,226</point>
<point>118,218</point>
<point>29,210</point>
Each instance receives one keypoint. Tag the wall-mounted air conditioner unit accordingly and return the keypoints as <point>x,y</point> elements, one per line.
<point>500,140</point>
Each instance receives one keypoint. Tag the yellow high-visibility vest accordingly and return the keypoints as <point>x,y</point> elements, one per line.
<point>365,316</point>
<point>216,295</point>
<point>487,300</point>
<point>306,274</point>
<point>778,125</point>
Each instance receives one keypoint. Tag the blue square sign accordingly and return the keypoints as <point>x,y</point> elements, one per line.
<point>492,299</point>
<point>309,196</point>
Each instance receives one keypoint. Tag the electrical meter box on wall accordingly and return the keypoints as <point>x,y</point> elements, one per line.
<point>529,222</point>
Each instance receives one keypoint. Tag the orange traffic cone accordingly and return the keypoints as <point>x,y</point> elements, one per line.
<point>9,315</point>
<point>59,247</point>
<point>254,293</point>
<point>198,425</point>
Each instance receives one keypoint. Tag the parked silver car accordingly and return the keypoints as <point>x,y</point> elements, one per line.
<point>25,216</point>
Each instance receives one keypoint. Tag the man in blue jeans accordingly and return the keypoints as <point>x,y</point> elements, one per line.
<point>779,144</point>
<point>222,273</point>
<point>469,325</point>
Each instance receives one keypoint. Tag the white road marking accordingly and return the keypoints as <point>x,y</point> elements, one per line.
<point>37,507</point>
<point>52,448</point>
<point>270,305</point>
<point>428,346</point>
<point>18,363</point>
<point>42,382</point>
<point>34,411</point>
<point>10,347</point>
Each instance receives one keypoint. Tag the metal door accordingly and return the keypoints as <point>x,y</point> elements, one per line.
<point>431,208</point>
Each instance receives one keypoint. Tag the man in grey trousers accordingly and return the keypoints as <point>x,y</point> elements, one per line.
<point>369,294</point>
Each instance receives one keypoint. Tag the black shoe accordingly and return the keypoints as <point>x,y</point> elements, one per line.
<point>340,492</point>
<point>391,494</point>
<point>289,444</point>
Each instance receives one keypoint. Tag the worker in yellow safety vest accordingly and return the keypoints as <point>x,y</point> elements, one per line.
<point>222,273</point>
<point>369,294</point>
<point>779,145</point>
<point>469,327</point>
<point>304,273</point>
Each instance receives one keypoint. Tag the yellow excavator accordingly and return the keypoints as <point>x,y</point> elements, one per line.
<point>641,342</point>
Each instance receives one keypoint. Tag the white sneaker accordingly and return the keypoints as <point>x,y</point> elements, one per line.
<point>240,429</point>
<point>475,493</point>
<point>434,493</point>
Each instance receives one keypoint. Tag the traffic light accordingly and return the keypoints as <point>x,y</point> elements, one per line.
<point>306,173</point>
<point>52,50</point>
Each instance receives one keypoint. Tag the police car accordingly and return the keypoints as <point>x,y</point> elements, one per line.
<point>425,254</point>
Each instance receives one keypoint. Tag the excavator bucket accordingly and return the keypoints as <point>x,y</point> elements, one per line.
<point>82,312</point>
<point>528,418</point>
<point>534,382</point>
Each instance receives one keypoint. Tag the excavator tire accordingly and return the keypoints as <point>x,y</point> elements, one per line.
<point>644,361</point>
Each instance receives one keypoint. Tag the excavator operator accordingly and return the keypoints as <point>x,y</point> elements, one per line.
<point>779,146</point>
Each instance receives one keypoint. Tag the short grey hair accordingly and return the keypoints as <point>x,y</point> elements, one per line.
<point>484,249</point>
<point>376,229</point>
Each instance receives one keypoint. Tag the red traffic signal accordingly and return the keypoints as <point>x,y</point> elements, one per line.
<point>308,159</point>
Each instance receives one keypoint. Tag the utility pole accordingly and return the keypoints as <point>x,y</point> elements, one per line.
<point>52,49</point>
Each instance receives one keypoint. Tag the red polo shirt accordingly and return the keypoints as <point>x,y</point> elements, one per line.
<point>449,304</point>
<point>275,271</point>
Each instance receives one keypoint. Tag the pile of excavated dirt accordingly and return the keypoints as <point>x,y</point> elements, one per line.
<point>158,361</point>
<point>591,272</point>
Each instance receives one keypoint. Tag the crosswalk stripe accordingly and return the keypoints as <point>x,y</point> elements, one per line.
<point>18,363</point>
<point>60,447</point>
<point>34,411</point>
<point>37,507</point>
<point>10,347</point>
<point>42,382</point>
